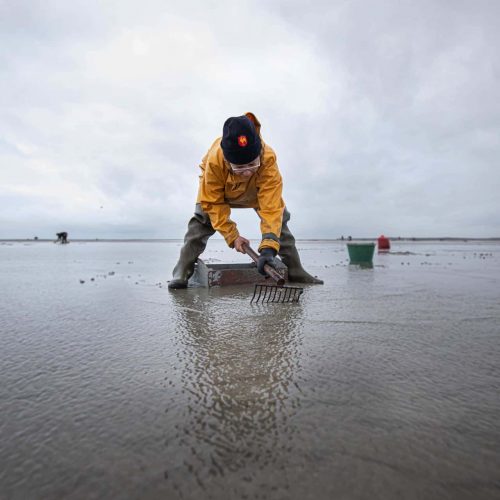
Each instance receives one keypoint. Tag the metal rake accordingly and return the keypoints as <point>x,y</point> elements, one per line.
<point>275,294</point>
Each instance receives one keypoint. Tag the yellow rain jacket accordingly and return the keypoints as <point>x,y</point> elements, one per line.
<point>220,190</point>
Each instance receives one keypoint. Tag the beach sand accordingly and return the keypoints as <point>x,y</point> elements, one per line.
<point>381,383</point>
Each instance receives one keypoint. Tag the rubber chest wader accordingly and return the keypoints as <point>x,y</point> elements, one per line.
<point>290,256</point>
<point>195,241</point>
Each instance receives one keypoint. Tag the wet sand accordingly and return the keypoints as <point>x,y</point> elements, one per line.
<point>382,383</point>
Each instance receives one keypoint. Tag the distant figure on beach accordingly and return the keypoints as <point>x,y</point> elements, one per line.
<point>240,171</point>
<point>62,237</point>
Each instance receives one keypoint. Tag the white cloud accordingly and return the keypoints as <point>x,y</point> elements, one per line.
<point>382,117</point>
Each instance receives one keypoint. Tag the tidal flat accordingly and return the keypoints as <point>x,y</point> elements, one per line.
<point>383,383</point>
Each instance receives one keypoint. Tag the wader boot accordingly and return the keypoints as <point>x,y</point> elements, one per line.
<point>195,241</point>
<point>290,256</point>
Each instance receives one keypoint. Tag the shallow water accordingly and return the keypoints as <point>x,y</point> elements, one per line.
<point>382,383</point>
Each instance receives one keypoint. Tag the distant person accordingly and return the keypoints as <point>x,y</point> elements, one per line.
<point>240,171</point>
<point>62,237</point>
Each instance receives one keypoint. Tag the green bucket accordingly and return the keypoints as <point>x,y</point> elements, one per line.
<point>361,253</point>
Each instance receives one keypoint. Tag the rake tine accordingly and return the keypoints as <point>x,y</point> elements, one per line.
<point>276,294</point>
<point>260,291</point>
<point>261,288</point>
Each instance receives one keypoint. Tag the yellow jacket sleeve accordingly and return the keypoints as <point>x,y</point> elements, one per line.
<point>271,205</point>
<point>211,199</point>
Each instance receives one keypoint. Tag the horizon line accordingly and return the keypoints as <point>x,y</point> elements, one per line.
<point>393,238</point>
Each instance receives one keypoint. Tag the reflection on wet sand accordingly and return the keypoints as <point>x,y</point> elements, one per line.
<point>239,378</point>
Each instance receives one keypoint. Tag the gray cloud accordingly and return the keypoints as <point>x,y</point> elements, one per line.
<point>384,115</point>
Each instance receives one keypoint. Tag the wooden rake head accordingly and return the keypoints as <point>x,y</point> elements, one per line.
<point>276,294</point>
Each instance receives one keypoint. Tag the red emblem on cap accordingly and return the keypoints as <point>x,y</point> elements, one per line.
<point>242,140</point>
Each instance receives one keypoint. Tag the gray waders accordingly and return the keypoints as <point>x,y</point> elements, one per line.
<point>195,241</point>
<point>290,256</point>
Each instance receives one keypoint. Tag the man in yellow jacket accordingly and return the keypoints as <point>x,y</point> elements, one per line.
<point>240,171</point>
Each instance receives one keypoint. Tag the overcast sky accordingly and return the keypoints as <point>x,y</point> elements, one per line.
<point>385,115</point>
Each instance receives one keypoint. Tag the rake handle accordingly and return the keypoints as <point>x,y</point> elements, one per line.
<point>271,272</point>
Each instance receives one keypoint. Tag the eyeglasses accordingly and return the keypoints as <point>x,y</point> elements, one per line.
<point>246,167</point>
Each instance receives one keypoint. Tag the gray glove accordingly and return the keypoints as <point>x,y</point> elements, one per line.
<point>266,257</point>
